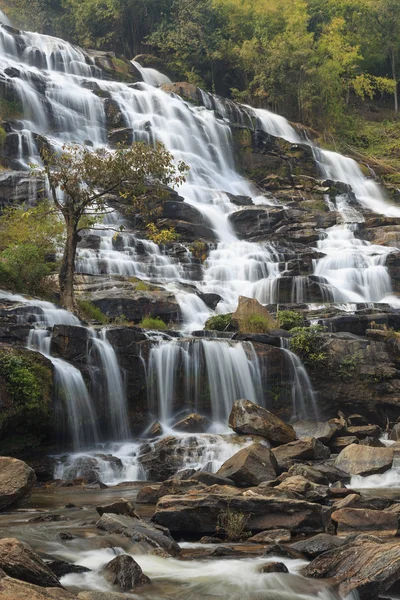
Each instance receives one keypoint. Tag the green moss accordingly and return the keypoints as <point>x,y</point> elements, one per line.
<point>288,319</point>
<point>257,324</point>
<point>218,322</point>
<point>3,137</point>
<point>153,323</point>
<point>141,286</point>
<point>90,312</point>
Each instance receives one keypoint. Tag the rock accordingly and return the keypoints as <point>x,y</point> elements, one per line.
<point>357,420</point>
<point>377,522</point>
<point>395,433</point>
<point>240,200</point>
<point>13,589</point>
<point>250,466</point>
<point>16,481</point>
<point>320,431</point>
<point>373,442</point>
<point>255,220</point>
<point>318,544</point>
<point>200,513</point>
<point>309,473</point>
<point>249,418</point>
<point>363,431</point>
<point>366,567</point>
<point>300,485</point>
<point>186,474</point>
<point>274,567</point>
<point>149,494</point>
<point>331,472</point>
<point>19,561</point>
<point>155,430</point>
<point>137,530</point>
<point>120,507</point>
<point>193,423</point>
<point>282,551</point>
<point>183,211</point>
<point>364,460</point>
<point>306,449</point>
<point>211,478</point>
<point>339,443</point>
<point>248,308</point>
<point>124,572</point>
<point>61,568</point>
<point>187,91</point>
<point>167,456</point>
<point>274,536</point>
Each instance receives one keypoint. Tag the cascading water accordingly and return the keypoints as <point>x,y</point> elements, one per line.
<point>304,402</point>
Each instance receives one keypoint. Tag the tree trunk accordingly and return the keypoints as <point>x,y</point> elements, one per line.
<point>66,276</point>
<point>394,75</point>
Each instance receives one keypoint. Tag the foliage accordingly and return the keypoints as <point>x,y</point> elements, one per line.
<point>348,366</point>
<point>3,136</point>
<point>90,312</point>
<point>141,286</point>
<point>308,343</point>
<point>257,324</point>
<point>218,322</point>
<point>288,319</point>
<point>10,109</point>
<point>24,268</point>
<point>199,250</point>
<point>232,523</point>
<point>28,382</point>
<point>161,236</point>
<point>153,323</point>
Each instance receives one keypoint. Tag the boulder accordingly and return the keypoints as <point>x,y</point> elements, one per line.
<point>124,572</point>
<point>274,567</point>
<point>320,431</point>
<point>139,532</point>
<point>149,494</point>
<point>309,473</point>
<point>274,536</point>
<point>368,568</point>
<point>249,418</point>
<point>200,513</point>
<point>306,449</point>
<point>61,568</point>
<point>395,433</point>
<point>13,589</point>
<point>207,478</point>
<point>332,473</point>
<point>255,220</point>
<point>250,466</point>
<point>193,423</point>
<point>120,507</point>
<point>16,481</point>
<point>364,460</point>
<point>363,431</point>
<point>377,522</point>
<point>19,561</point>
<point>318,544</point>
<point>248,308</point>
<point>300,485</point>
<point>339,443</point>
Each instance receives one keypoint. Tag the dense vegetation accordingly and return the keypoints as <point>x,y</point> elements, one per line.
<point>312,60</point>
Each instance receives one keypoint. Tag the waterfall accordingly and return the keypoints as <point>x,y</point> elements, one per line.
<point>114,387</point>
<point>151,76</point>
<point>203,372</point>
<point>304,401</point>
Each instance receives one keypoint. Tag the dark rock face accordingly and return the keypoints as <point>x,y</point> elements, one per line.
<point>247,417</point>
<point>376,522</point>
<point>18,560</point>
<point>16,481</point>
<point>124,572</point>
<point>255,220</point>
<point>200,513</point>
<point>120,507</point>
<point>193,423</point>
<point>366,567</point>
<point>250,466</point>
<point>306,449</point>
<point>61,568</point>
<point>274,567</point>
<point>135,305</point>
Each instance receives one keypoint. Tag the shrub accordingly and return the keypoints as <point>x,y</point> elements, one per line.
<point>258,324</point>
<point>91,312</point>
<point>24,268</point>
<point>153,323</point>
<point>307,343</point>
<point>199,250</point>
<point>347,368</point>
<point>3,137</point>
<point>161,236</point>
<point>218,322</point>
<point>288,319</point>
<point>232,524</point>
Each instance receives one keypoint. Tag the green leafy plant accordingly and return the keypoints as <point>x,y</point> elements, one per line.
<point>348,367</point>
<point>91,312</point>
<point>307,343</point>
<point>258,324</point>
<point>161,236</point>
<point>153,323</point>
<point>288,319</point>
<point>24,268</point>
<point>218,322</point>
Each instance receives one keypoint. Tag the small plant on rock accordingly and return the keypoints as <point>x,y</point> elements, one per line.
<point>288,319</point>
<point>218,322</point>
<point>232,524</point>
<point>308,344</point>
<point>153,323</point>
<point>258,324</point>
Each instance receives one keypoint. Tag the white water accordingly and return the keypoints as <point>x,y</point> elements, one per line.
<point>151,76</point>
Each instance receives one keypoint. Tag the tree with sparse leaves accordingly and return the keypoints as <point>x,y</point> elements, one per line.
<point>81,181</point>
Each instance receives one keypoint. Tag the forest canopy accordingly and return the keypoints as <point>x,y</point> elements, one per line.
<point>311,60</point>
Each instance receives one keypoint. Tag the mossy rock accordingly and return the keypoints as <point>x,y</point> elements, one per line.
<point>26,384</point>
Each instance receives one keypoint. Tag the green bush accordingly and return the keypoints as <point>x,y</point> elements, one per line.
<point>288,319</point>
<point>24,268</point>
<point>218,322</point>
<point>91,312</point>
<point>3,137</point>
<point>153,323</point>
<point>307,343</point>
<point>258,324</point>
<point>348,367</point>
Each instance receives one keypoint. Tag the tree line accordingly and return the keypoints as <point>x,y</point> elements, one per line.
<point>307,59</point>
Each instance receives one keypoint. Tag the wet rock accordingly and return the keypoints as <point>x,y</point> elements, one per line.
<point>306,449</point>
<point>250,466</point>
<point>16,481</point>
<point>185,90</point>
<point>155,430</point>
<point>366,567</point>
<point>249,418</point>
<point>61,568</point>
<point>65,536</point>
<point>274,567</point>
<point>149,494</point>
<point>139,531</point>
<point>185,474</point>
<point>357,420</point>
<point>211,478</point>
<point>240,200</point>
<point>318,544</point>
<point>255,220</point>
<point>300,485</point>
<point>135,305</point>
<point>364,460</point>
<point>165,458</point>
<point>377,522</point>
<point>372,442</point>
<point>200,513</point>
<point>274,536</point>
<point>309,473</point>
<point>331,472</point>
<point>124,572</point>
<point>314,429</point>
<point>120,507</point>
<point>13,589</point>
<point>339,443</point>
<point>282,551</point>
<point>18,560</point>
<point>395,433</point>
<point>183,211</point>
<point>193,423</point>
<point>48,518</point>
<point>363,431</point>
